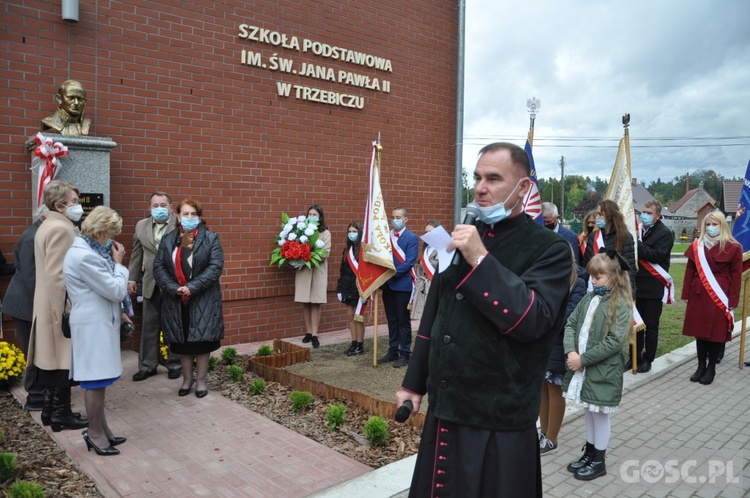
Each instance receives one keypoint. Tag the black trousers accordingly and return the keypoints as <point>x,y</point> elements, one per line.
<point>396,304</point>
<point>23,329</point>
<point>650,310</point>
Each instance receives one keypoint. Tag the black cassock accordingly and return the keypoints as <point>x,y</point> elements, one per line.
<point>480,354</point>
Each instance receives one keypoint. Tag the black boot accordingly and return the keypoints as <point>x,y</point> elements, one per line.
<point>351,348</point>
<point>596,468</point>
<point>709,375</point>
<point>47,405</point>
<point>359,348</point>
<point>63,417</point>
<point>699,373</point>
<point>588,452</point>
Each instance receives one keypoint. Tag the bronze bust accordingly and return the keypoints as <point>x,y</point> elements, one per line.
<point>68,119</point>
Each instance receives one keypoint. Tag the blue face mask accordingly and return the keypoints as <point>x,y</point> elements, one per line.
<point>397,224</point>
<point>108,245</point>
<point>313,218</point>
<point>647,220</point>
<point>160,213</point>
<point>601,223</point>
<point>600,290</point>
<point>497,213</point>
<point>189,224</point>
<point>712,231</point>
<point>353,236</point>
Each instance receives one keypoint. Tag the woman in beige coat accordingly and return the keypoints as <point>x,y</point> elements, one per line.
<point>311,284</point>
<point>49,350</point>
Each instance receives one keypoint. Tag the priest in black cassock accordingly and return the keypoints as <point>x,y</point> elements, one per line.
<point>484,341</point>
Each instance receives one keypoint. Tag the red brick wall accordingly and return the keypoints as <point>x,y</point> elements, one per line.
<point>164,81</point>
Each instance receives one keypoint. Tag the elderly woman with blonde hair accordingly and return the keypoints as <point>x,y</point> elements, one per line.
<point>97,284</point>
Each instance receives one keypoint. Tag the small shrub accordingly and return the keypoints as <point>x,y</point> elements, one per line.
<point>300,400</point>
<point>213,362</point>
<point>258,386</point>
<point>235,372</point>
<point>376,430</point>
<point>336,416</point>
<point>265,350</point>
<point>7,466</point>
<point>229,355</point>
<point>26,489</point>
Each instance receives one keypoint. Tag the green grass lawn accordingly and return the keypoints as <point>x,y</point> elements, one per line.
<point>679,248</point>
<point>673,315</point>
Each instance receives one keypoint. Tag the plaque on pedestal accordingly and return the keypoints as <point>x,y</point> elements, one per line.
<point>86,165</point>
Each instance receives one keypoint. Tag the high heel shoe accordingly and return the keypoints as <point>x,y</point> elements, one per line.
<point>185,392</point>
<point>108,451</point>
<point>115,441</point>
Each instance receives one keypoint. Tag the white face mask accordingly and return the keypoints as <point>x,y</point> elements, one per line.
<point>74,212</point>
<point>712,231</point>
<point>497,213</point>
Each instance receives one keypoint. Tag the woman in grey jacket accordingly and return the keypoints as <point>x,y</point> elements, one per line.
<point>187,268</point>
<point>97,283</point>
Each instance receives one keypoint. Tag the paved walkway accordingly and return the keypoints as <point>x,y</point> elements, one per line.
<point>671,437</point>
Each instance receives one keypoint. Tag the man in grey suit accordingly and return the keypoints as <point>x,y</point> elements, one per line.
<point>148,234</point>
<point>19,304</point>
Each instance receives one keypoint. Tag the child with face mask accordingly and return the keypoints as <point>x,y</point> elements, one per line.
<point>595,335</point>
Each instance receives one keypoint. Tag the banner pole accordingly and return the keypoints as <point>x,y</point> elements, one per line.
<point>743,332</point>
<point>375,330</point>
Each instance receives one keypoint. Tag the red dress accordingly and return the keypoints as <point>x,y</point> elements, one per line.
<point>703,319</point>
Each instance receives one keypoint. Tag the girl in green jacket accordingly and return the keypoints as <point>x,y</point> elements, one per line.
<point>594,338</point>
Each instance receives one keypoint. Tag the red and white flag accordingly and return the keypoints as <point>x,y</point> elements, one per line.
<point>376,254</point>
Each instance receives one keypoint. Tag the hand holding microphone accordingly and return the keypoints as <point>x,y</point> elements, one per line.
<point>466,239</point>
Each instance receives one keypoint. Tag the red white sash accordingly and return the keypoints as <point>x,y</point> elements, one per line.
<point>429,270</point>
<point>359,310</point>
<point>714,290</point>
<point>400,255</point>
<point>660,274</point>
<point>598,242</point>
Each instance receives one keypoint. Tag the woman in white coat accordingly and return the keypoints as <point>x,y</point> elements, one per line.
<point>97,283</point>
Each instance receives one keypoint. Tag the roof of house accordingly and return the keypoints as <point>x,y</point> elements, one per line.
<point>732,192</point>
<point>641,195</point>
<point>689,195</point>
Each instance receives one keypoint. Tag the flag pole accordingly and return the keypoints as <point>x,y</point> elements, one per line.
<point>633,336</point>
<point>743,332</point>
<point>533,104</point>
<point>375,297</point>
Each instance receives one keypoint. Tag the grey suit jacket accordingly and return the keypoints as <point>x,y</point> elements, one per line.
<point>144,251</point>
<point>19,298</point>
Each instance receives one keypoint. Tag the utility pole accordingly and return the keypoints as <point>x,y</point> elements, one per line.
<point>562,188</point>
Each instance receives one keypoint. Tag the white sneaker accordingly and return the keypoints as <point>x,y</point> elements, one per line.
<point>547,447</point>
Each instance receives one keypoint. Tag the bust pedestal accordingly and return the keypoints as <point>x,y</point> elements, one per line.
<point>86,165</point>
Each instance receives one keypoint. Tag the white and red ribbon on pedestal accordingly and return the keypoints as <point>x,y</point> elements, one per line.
<point>45,162</point>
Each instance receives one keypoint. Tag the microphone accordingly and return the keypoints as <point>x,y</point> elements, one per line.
<point>472,213</point>
<point>403,412</point>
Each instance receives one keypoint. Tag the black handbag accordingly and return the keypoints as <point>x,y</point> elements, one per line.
<point>66,318</point>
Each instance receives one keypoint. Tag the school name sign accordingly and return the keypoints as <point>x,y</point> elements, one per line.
<point>331,72</point>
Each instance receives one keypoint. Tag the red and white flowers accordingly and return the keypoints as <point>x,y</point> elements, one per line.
<point>298,244</point>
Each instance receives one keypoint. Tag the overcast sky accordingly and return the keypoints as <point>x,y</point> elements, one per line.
<point>680,68</point>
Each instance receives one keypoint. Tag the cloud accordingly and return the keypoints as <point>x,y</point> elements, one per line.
<point>679,68</point>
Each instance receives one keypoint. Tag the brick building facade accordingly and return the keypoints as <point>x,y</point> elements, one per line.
<point>253,108</point>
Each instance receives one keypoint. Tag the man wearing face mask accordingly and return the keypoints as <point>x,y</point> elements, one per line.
<point>484,342</point>
<point>654,286</point>
<point>49,350</point>
<point>397,290</point>
<point>148,234</point>
<point>552,221</point>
